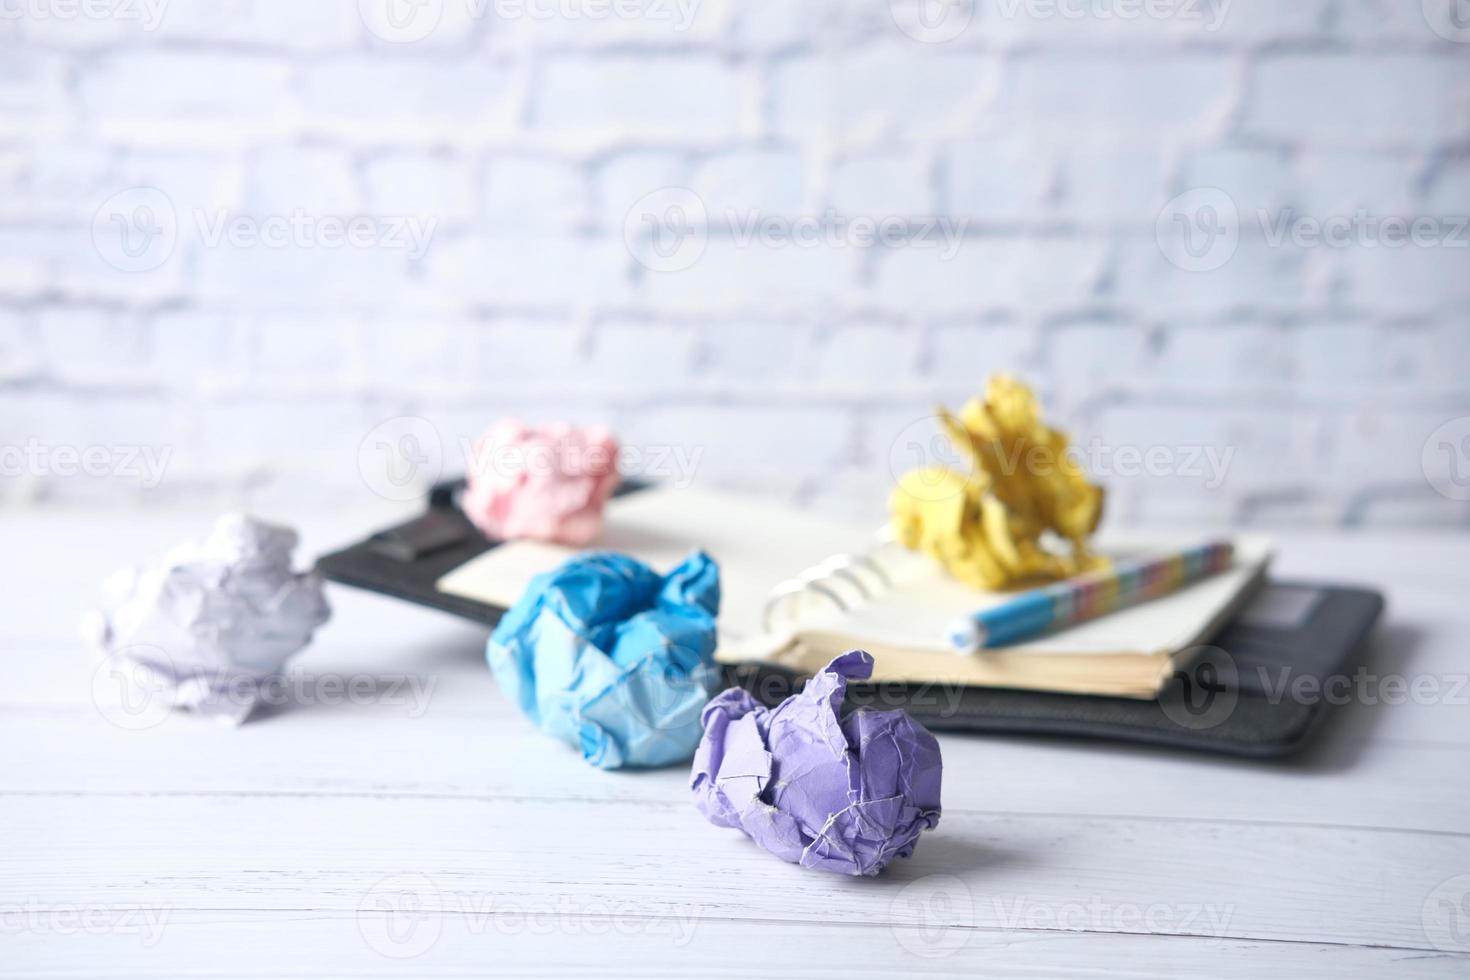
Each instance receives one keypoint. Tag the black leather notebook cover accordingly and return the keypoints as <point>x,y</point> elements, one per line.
<point>1234,697</point>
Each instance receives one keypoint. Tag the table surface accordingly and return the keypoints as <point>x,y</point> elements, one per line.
<point>428,829</point>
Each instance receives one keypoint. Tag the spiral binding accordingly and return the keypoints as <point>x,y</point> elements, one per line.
<point>823,578</point>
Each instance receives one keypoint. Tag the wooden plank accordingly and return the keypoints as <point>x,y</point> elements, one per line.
<point>511,940</point>
<point>1012,872</point>
<point>386,749</point>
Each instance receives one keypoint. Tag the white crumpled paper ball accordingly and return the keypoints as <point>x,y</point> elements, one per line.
<point>205,626</point>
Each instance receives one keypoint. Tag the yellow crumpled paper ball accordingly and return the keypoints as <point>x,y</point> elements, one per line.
<point>986,526</point>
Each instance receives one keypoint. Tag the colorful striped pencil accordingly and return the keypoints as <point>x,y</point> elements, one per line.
<point>1088,596</point>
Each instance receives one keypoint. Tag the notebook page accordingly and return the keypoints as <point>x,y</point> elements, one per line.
<point>917,613</point>
<point>757,542</point>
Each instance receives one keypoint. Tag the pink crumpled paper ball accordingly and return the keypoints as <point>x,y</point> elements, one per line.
<point>546,483</point>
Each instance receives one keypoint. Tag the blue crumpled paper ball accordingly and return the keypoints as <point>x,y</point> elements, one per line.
<point>609,656</point>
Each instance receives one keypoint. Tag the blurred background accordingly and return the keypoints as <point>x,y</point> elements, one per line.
<point>273,252</point>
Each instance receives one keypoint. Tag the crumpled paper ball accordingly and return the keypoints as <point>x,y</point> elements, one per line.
<point>546,483</point>
<point>213,619</point>
<point>609,656</point>
<point>988,526</point>
<point>846,795</point>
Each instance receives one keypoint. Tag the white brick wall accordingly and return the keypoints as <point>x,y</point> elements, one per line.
<point>788,308</point>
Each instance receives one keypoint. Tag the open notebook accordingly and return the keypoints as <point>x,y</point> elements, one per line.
<point>840,587</point>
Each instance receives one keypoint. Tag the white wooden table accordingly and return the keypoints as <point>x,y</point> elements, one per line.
<point>416,836</point>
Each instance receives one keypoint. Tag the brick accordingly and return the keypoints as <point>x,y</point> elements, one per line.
<point>1357,100</point>
<point>535,193</point>
<point>263,279</point>
<point>755,354</point>
<point>1087,359</point>
<point>990,274</point>
<point>882,186</point>
<point>625,178</point>
<point>1449,191</point>
<point>1112,184</point>
<point>438,184</point>
<point>32,91</point>
<point>619,98</point>
<point>849,356</point>
<point>1429,357</point>
<point>1257,277</point>
<point>1342,183</point>
<point>962,355</point>
<point>415,355</point>
<point>1375,21</point>
<point>794,442</point>
<point>313,354</point>
<point>775,25</point>
<point>1407,279</point>
<point>885,91</point>
<point>192,351</point>
<point>318,180</point>
<point>1235,358</point>
<point>1254,178</point>
<point>528,272</point>
<point>88,347</point>
<point>642,358</point>
<point>20,348</point>
<point>55,181</point>
<point>89,26</point>
<point>765,181</point>
<point>174,86</point>
<point>1099,24</point>
<point>646,23</point>
<point>267,23</point>
<point>1228,451</point>
<point>999,180</point>
<point>1109,96</point>
<point>417,100</point>
<point>730,277</point>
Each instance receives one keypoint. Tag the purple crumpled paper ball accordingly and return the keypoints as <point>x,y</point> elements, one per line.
<point>846,795</point>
